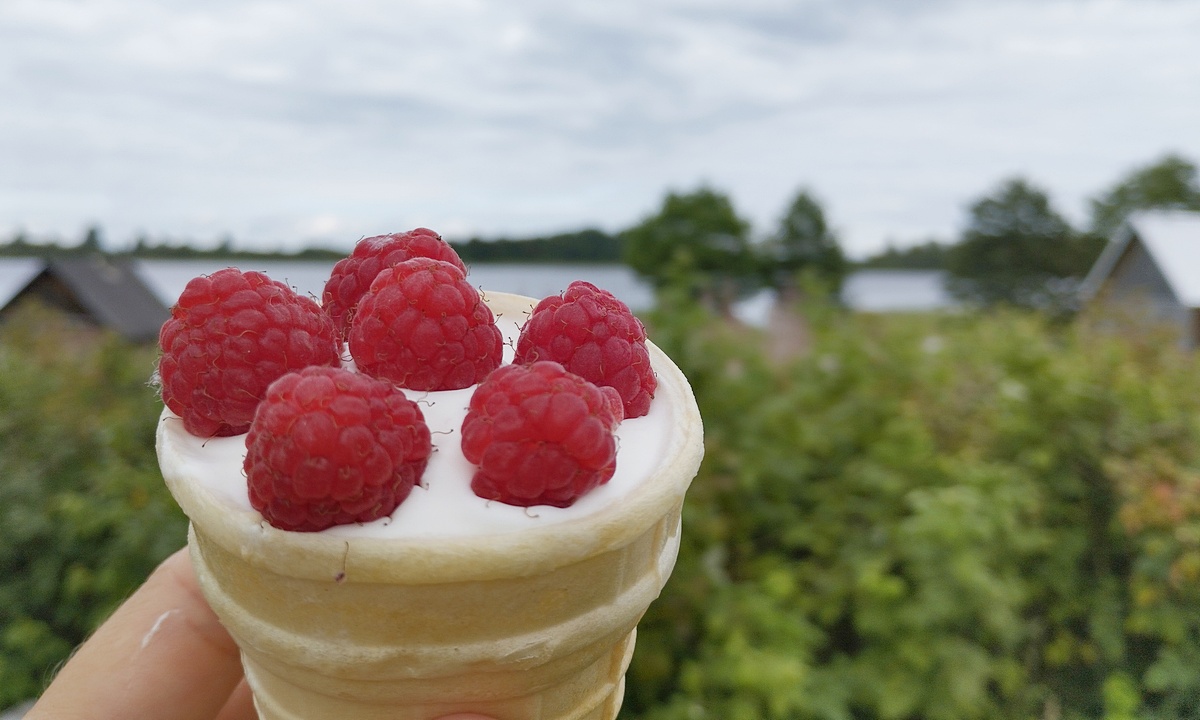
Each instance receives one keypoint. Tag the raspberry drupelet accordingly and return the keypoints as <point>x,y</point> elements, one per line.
<point>594,335</point>
<point>230,335</point>
<point>352,276</point>
<point>422,326</point>
<point>330,447</point>
<point>540,435</point>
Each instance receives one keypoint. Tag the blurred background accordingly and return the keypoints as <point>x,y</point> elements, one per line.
<point>931,266</point>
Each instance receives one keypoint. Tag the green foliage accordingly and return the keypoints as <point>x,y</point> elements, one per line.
<point>963,516</point>
<point>1168,183</point>
<point>21,246</point>
<point>804,242</point>
<point>941,517</point>
<point>1014,249</point>
<point>84,513</point>
<point>697,235</point>
<point>588,246</point>
<point>583,246</point>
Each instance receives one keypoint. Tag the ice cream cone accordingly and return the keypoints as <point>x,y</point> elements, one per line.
<point>531,625</point>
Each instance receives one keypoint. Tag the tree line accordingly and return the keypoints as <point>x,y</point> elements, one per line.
<point>585,246</point>
<point>1016,248</point>
<point>589,245</point>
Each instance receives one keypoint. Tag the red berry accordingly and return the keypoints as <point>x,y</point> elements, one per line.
<point>540,435</point>
<point>231,335</point>
<point>352,276</point>
<point>424,327</point>
<point>594,335</point>
<point>331,447</point>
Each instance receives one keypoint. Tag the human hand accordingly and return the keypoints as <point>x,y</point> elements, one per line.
<point>163,654</point>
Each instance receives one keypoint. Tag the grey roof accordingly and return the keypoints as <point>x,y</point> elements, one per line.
<point>110,291</point>
<point>1172,238</point>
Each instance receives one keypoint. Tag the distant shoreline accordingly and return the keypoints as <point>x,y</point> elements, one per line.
<point>585,247</point>
<point>301,256</point>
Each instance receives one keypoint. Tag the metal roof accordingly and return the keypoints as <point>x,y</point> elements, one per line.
<point>110,292</point>
<point>1172,238</point>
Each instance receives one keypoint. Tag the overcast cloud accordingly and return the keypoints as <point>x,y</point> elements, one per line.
<point>320,121</point>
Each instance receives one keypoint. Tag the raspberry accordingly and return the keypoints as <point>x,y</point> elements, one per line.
<point>231,335</point>
<point>352,276</point>
<point>331,447</point>
<point>423,327</point>
<point>540,435</point>
<point>594,335</point>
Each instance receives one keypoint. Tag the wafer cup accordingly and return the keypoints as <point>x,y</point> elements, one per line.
<point>536,624</point>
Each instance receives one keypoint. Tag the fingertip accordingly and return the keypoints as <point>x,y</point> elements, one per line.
<point>162,654</point>
<point>240,705</point>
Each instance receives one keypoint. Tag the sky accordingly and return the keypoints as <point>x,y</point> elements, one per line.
<point>288,124</point>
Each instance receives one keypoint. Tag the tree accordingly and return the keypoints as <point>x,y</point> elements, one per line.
<point>1018,250</point>
<point>92,241</point>
<point>698,234</point>
<point>589,245</point>
<point>803,242</point>
<point>1169,183</point>
<point>18,245</point>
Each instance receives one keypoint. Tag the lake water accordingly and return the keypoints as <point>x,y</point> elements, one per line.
<point>167,278</point>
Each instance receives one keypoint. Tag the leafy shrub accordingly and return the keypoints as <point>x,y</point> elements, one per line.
<point>922,517</point>
<point>932,517</point>
<point>84,513</point>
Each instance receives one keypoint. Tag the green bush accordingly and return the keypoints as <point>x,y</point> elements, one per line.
<point>932,517</point>
<point>84,514</point>
<point>921,517</point>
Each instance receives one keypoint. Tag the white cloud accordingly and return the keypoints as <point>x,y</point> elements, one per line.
<point>287,122</point>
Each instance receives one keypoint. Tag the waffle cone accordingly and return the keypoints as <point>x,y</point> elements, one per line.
<point>531,625</point>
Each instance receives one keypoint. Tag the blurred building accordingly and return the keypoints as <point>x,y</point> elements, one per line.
<point>95,291</point>
<point>1151,267</point>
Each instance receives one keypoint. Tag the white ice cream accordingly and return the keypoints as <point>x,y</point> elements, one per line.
<point>444,505</point>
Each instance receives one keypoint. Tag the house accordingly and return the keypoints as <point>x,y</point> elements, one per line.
<point>95,290</point>
<point>1152,265</point>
